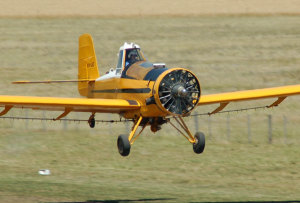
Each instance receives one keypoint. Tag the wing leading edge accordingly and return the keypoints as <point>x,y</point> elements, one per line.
<point>67,104</point>
<point>225,98</point>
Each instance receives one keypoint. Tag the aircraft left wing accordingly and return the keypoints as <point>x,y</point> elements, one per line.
<point>224,99</point>
<point>67,105</point>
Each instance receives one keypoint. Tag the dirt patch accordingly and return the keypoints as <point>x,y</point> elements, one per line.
<point>62,8</point>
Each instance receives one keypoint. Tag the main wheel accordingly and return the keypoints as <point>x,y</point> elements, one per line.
<point>199,145</point>
<point>92,122</point>
<point>123,145</point>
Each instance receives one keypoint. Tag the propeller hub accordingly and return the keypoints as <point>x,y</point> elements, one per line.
<point>179,91</point>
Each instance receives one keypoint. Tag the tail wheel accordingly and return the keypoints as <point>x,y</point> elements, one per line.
<point>199,145</point>
<point>123,145</point>
<point>179,91</point>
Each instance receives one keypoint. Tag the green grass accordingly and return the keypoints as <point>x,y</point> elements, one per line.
<point>87,166</point>
<point>227,53</point>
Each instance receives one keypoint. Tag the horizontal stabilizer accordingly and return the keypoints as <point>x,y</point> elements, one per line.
<point>52,81</point>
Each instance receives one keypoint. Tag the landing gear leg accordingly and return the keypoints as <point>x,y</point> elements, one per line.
<point>124,142</point>
<point>92,121</point>
<point>198,140</point>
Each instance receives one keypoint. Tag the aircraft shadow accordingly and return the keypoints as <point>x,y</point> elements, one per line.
<point>122,200</point>
<point>289,201</point>
<point>168,199</point>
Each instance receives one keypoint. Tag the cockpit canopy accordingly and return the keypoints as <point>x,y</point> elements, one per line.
<point>133,65</point>
<point>129,54</point>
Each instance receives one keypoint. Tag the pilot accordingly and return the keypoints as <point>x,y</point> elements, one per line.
<point>132,59</point>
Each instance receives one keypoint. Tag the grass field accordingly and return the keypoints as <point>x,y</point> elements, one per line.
<point>227,53</point>
<point>137,8</point>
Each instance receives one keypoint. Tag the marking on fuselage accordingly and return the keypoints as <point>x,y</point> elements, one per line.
<point>132,102</point>
<point>135,90</point>
<point>91,65</point>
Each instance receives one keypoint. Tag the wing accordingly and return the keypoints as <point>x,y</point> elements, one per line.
<point>224,99</point>
<point>67,104</point>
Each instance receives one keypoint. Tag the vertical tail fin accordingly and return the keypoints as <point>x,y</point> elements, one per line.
<point>87,62</point>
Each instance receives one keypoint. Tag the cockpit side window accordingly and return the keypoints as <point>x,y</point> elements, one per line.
<point>120,63</point>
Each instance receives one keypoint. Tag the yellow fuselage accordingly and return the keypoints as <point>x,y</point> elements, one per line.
<point>128,89</point>
<point>145,84</point>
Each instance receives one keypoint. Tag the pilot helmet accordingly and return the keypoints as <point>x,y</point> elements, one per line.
<point>132,53</point>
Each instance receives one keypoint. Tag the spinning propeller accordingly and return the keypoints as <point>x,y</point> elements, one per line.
<point>179,92</point>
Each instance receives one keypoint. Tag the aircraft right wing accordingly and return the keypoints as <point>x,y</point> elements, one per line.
<point>224,99</point>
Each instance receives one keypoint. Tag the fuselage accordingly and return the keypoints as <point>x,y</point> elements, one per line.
<point>142,83</point>
<point>158,90</point>
<point>137,84</point>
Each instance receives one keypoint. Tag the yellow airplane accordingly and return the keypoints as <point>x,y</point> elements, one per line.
<point>150,94</point>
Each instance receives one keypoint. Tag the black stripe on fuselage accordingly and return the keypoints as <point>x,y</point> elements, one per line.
<point>129,90</point>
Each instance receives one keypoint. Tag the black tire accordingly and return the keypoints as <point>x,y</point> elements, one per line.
<point>92,123</point>
<point>123,145</point>
<point>199,145</point>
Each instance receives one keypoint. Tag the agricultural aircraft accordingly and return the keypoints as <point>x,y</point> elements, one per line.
<point>149,94</point>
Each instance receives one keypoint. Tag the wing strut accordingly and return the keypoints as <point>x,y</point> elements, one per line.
<point>277,102</point>
<point>182,124</point>
<point>64,114</point>
<point>220,108</point>
<point>5,110</point>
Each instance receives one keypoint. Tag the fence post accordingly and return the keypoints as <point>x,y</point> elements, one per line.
<point>12,120</point>
<point>77,118</point>
<point>209,127</point>
<point>228,127</point>
<point>65,124</point>
<point>249,128</point>
<point>26,121</point>
<point>285,129</point>
<point>127,127</point>
<point>196,122</point>
<point>44,122</point>
<point>109,124</point>
<point>270,128</point>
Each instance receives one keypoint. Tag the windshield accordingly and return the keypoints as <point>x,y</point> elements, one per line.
<point>133,55</point>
